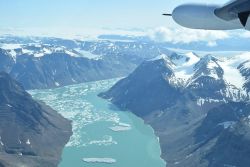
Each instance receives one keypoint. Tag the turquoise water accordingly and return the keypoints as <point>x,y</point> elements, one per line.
<point>100,130</point>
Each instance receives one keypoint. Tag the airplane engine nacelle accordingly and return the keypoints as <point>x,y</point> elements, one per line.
<point>197,16</point>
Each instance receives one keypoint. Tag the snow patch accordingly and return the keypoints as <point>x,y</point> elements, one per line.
<point>13,54</point>
<point>201,101</point>
<point>160,57</point>
<point>227,124</point>
<point>70,53</point>
<point>47,51</point>
<point>231,74</point>
<point>1,143</point>
<point>9,105</point>
<point>88,55</point>
<point>26,51</point>
<point>247,64</point>
<point>38,54</point>
<point>184,67</point>
<point>10,46</point>
<point>28,142</point>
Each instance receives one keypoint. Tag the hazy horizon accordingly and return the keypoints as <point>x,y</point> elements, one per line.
<point>74,15</point>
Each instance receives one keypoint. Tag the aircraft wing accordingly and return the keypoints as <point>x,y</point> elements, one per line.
<point>233,10</point>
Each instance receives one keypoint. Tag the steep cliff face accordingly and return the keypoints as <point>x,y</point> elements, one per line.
<point>225,132</point>
<point>152,80</point>
<point>31,133</point>
<point>198,106</point>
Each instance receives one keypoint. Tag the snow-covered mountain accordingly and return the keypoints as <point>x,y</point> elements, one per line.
<point>211,78</point>
<point>203,79</point>
<point>52,62</point>
<point>197,105</point>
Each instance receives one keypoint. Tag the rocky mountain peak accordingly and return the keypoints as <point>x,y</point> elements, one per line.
<point>209,115</point>
<point>208,66</point>
<point>161,65</point>
<point>162,59</point>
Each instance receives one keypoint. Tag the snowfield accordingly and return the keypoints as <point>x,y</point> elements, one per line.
<point>38,50</point>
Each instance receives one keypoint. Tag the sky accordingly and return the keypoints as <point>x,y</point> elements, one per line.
<point>127,14</point>
<point>88,18</point>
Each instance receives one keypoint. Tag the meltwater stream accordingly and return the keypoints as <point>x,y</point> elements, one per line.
<point>102,136</point>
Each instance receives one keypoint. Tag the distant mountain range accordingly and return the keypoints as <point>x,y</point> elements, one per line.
<point>51,62</point>
<point>41,62</point>
<point>198,106</point>
<point>31,133</point>
<point>232,43</point>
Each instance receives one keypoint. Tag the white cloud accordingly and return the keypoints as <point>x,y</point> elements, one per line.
<point>70,32</point>
<point>245,34</point>
<point>212,43</point>
<point>183,35</point>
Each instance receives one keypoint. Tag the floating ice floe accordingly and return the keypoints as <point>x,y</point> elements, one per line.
<point>106,141</point>
<point>124,124</point>
<point>120,128</point>
<point>69,102</point>
<point>99,160</point>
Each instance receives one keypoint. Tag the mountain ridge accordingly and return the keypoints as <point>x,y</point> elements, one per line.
<point>40,63</point>
<point>185,120</point>
<point>31,133</point>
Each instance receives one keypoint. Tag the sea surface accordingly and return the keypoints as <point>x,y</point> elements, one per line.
<point>103,136</point>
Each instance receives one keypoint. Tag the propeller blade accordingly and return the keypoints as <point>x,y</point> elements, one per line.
<point>167,14</point>
<point>243,16</point>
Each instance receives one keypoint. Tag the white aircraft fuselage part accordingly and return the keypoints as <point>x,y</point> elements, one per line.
<point>197,16</point>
